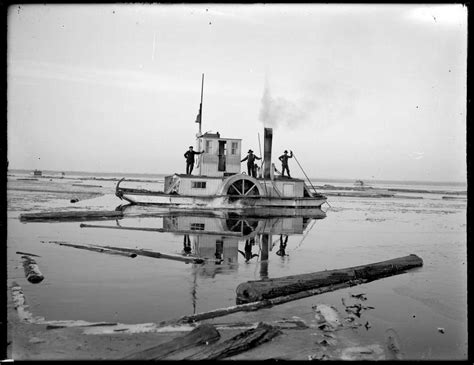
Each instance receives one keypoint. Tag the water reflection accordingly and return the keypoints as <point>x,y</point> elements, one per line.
<point>226,238</point>
<point>247,253</point>
<point>283,243</point>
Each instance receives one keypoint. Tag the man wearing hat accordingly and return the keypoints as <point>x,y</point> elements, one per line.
<point>284,162</point>
<point>251,163</point>
<point>190,159</point>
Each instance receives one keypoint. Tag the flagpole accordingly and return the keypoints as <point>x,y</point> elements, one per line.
<point>200,106</point>
<point>199,120</point>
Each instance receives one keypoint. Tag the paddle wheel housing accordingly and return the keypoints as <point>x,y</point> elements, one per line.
<point>241,186</point>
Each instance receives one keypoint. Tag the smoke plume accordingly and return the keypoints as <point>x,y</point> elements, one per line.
<point>322,105</point>
<point>279,111</point>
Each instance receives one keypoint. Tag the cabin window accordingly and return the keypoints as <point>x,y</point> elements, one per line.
<point>208,146</point>
<point>198,184</point>
<point>233,149</point>
<point>197,226</point>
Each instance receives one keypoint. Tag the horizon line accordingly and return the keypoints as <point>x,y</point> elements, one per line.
<point>312,178</point>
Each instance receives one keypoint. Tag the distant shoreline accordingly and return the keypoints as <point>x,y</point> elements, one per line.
<point>161,175</point>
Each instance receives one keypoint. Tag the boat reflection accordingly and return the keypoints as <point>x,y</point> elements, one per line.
<point>226,238</point>
<point>217,242</point>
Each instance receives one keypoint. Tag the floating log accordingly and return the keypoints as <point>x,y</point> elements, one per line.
<point>96,249</point>
<point>88,186</point>
<point>66,324</point>
<point>201,335</point>
<point>26,253</point>
<point>157,255</point>
<point>241,342</point>
<point>454,197</point>
<point>258,290</point>
<point>32,272</point>
<point>71,216</point>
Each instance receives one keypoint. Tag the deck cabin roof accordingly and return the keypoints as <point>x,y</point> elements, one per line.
<point>217,135</point>
<point>276,178</point>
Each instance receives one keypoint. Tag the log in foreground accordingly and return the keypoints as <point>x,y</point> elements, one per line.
<point>32,272</point>
<point>71,216</point>
<point>253,306</point>
<point>241,342</point>
<point>201,335</point>
<point>252,291</point>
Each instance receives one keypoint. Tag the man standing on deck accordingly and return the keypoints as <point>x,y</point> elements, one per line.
<point>284,162</point>
<point>190,159</point>
<point>251,163</point>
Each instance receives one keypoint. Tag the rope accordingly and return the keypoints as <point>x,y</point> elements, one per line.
<point>304,173</point>
<point>309,179</point>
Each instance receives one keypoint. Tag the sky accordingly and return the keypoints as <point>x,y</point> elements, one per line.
<point>358,91</point>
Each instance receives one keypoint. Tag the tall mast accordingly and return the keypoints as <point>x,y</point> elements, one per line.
<point>199,120</point>
<point>199,117</point>
<point>200,107</point>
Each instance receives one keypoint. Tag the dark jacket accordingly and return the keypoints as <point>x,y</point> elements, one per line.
<point>190,156</point>
<point>284,159</point>
<point>251,159</point>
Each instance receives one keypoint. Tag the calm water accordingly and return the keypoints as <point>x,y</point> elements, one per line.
<point>353,231</point>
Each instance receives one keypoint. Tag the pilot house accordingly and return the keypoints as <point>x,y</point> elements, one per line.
<point>221,156</point>
<point>220,172</point>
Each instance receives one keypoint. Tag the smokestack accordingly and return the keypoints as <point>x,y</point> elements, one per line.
<point>267,152</point>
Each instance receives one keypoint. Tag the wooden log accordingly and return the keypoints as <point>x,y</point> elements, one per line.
<point>201,335</point>
<point>32,272</point>
<point>26,253</point>
<point>67,324</point>
<point>88,186</point>
<point>71,216</point>
<point>243,341</point>
<point>96,249</point>
<point>157,255</point>
<point>252,291</point>
<point>253,306</point>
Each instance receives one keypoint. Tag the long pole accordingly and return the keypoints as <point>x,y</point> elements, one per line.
<point>200,129</point>
<point>200,106</point>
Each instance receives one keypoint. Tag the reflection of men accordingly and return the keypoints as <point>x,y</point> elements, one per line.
<point>190,159</point>
<point>186,245</point>
<point>251,163</point>
<point>219,252</point>
<point>283,242</point>
<point>284,162</point>
<point>248,250</point>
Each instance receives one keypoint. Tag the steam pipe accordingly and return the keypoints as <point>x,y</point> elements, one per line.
<point>267,152</point>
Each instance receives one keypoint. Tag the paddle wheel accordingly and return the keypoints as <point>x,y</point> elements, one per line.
<point>241,186</point>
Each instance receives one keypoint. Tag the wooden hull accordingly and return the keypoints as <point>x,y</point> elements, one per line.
<point>218,201</point>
